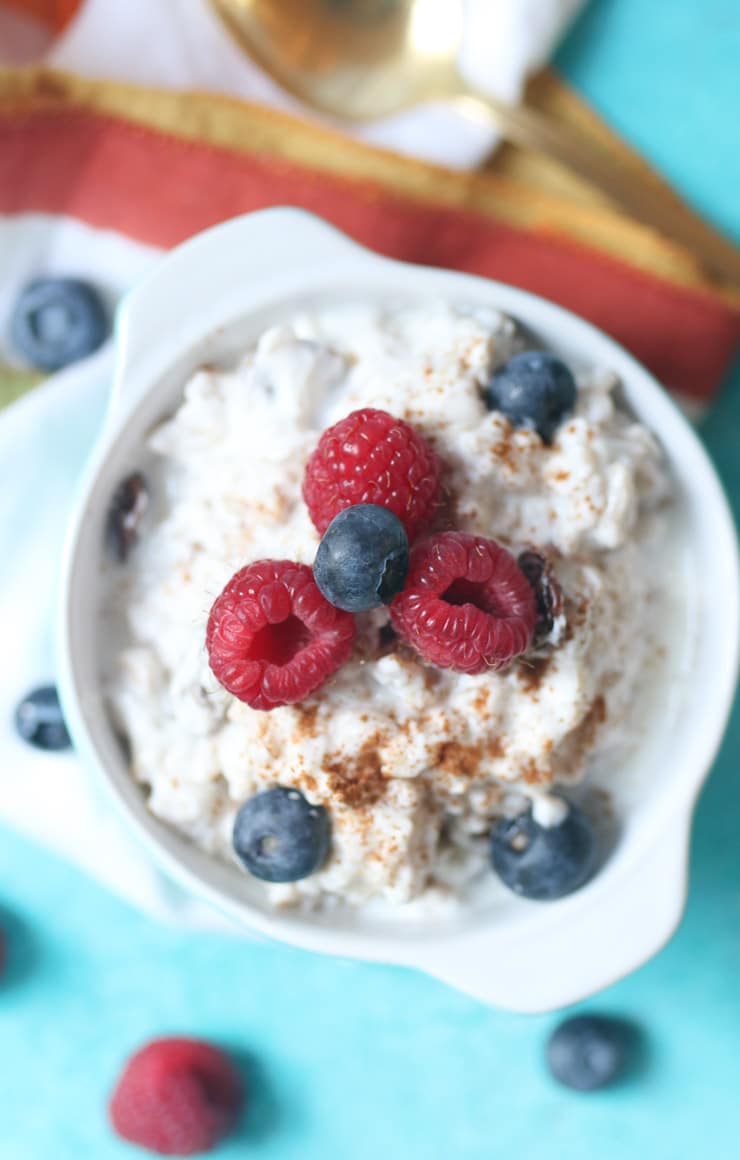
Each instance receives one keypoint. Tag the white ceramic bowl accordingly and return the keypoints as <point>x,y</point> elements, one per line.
<point>211,298</point>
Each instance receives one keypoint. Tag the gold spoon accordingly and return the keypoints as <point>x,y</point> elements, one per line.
<point>358,60</point>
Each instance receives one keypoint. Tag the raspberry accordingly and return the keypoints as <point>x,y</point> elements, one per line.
<point>272,638</point>
<point>177,1097</point>
<point>371,457</point>
<point>466,605</point>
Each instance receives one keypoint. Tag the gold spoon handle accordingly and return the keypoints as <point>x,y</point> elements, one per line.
<point>634,187</point>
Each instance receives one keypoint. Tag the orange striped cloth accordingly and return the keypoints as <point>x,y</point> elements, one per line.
<point>160,166</point>
<point>55,14</point>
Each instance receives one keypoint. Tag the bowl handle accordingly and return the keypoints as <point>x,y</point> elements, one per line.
<point>192,290</point>
<point>593,940</point>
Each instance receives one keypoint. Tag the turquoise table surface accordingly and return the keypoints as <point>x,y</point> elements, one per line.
<point>356,1062</point>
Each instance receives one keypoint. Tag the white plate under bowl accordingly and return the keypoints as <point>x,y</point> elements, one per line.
<point>208,300</point>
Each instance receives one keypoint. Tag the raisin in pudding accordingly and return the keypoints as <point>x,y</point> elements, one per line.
<point>389,598</point>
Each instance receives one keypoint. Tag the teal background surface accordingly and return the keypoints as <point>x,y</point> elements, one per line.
<point>356,1062</point>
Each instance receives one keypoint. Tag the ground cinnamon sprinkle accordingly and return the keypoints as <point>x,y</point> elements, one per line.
<point>358,781</point>
<point>460,760</point>
<point>466,760</point>
<point>504,452</point>
<point>575,618</point>
<point>279,510</point>
<point>307,720</point>
<point>494,748</point>
<point>532,775</point>
<point>532,672</point>
<point>595,717</point>
<point>481,699</point>
<point>431,677</point>
<point>583,736</point>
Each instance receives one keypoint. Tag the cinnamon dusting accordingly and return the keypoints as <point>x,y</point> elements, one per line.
<point>531,774</point>
<point>466,760</point>
<point>594,719</point>
<point>307,720</point>
<point>575,618</point>
<point>532,671</point>
<point>358,781</point>
<point>481,699</point>
<point>460,760</point>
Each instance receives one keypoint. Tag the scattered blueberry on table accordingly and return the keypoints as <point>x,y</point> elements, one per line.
<point>177,1097</point>
<point>587,1052</point>
<point>39,719</point>
<point>544,862</point>
<point>363,558</point>
<point>281,837</point>
<point>533,389</point>
<point>56,321</point>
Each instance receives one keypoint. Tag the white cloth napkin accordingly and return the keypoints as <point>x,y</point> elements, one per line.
<point>44,441</point>
<point>182,44</point>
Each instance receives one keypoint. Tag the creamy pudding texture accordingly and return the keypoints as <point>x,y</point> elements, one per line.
<point>412,762</point>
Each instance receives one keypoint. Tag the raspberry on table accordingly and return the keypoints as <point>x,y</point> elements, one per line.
<point>373,458</point>
<point>466,606</point>
<point>272,638</point>
<point>177,1097</point>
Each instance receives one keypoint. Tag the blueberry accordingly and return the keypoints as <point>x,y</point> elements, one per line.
<point>57,321</point>
<point>544,862</point>
<point>363,558</point>
<point>533,389</point>
<point>586,1052</point>
<point>280,837</point>
<point>39,720</point>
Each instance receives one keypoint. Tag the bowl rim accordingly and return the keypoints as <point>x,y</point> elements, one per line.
<point>358,944</point>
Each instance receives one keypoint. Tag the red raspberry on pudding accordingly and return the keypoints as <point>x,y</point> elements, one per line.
<point>177,1097</point>
<point>272,638</point>
<point>466,606</point>
<point>372,457</point>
